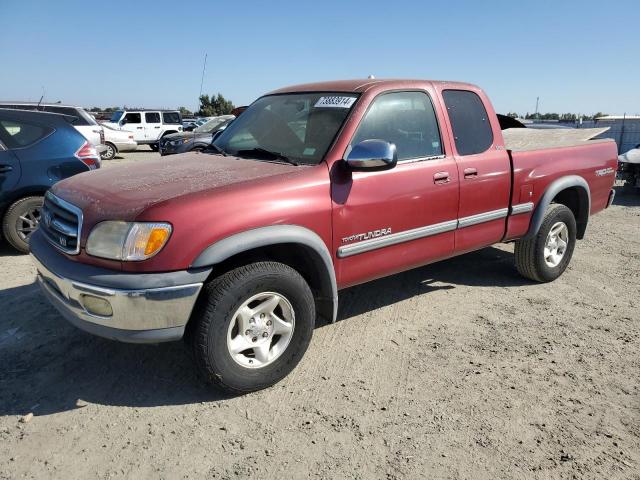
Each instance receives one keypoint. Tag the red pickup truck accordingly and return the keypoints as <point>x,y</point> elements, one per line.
<point>313,189</point>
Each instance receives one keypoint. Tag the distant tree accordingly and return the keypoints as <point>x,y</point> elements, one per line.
<point>185,112</point>
<point>214,105</point>
<point>513,115</point>
<point>599,114</point>
<point>96,109</point>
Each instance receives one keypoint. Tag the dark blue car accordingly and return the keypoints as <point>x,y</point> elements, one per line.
<point>37,149</point>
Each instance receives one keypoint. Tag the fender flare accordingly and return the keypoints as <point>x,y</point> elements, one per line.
<point>274,235</point>
<point>550,193</point>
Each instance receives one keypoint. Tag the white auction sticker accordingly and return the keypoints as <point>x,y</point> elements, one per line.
<point>335,102</point>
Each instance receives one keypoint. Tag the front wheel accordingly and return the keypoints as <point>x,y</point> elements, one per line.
<point>252,326</point>
<point>154,147</point>
<point>546,256</point>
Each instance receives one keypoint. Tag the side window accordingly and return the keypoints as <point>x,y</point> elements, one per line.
<point>469,121</point>
<point>406,119</point>
<point>171,117</point>
<point>152,117</point>
<point>133,118</point>
<point>19,134</point>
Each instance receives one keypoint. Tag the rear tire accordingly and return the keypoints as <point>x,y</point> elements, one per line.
<point>546,256</point>
<point>20,221</point>
<point>251,326</point>
<point>110,152</point>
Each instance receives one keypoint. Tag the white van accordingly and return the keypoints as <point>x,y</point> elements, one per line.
<point>147,126</point>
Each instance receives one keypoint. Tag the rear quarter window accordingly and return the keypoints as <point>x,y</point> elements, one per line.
<point>18,134</point>
<point>152,117</point>
<point>171,117</point>
<point>469,121</point>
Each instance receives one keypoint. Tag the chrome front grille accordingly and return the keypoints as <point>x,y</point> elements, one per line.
<point>61,224</point>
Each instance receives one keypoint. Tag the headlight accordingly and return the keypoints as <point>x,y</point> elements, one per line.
<point>127,241</point>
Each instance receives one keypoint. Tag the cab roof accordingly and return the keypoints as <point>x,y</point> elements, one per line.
<point>362,85</point>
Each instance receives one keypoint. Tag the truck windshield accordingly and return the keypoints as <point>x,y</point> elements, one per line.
<point>117,115</point>
<point>299,127</point>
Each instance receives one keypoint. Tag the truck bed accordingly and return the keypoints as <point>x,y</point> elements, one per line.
<point>526,139</point>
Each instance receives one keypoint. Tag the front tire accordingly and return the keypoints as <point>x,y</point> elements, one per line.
<point>546,256</point>
<point>20,221</point>
<point>252,326</point>
<point>154,147</point>
<point>110,152</point>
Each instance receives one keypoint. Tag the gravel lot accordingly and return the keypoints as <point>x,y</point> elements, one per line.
<point>461,369</point>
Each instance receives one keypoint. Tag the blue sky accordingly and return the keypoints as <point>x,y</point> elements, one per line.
<point>577,56</point>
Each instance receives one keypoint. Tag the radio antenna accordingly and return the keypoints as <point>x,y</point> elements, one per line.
<point>204,67</point>
<point>40,101</point>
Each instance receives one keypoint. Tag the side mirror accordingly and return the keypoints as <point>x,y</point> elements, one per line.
<point>123,122</point>
<point>371,155</point>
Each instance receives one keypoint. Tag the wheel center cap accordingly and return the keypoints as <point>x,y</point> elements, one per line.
<point>261,329</point>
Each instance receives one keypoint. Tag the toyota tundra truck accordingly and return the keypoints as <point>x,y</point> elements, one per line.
<point>239,250</point>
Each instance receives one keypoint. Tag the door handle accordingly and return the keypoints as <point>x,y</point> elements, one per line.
<point>5,168</point>
<point>139,128</point>
<point>157,127</point>
<point>441,177</point>
<point>470,173</point>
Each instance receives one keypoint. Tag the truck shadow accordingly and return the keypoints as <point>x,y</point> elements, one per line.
<point>627,197</point>
<point>48,366</point>
<point>490,267</point>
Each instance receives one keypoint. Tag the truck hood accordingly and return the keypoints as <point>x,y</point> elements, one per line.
<point>122,192</point>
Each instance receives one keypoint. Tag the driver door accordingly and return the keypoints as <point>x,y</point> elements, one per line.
<point>390,221</point>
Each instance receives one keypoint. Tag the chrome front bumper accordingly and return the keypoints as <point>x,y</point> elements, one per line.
<point>147,315</point>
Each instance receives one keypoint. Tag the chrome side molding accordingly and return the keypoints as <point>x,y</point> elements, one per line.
<point>522,208</point>
<point>482,217</point>
<point>430,230</point>
<point>395,238</point>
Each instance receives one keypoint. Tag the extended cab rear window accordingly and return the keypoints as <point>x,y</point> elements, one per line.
<point>469,121</point>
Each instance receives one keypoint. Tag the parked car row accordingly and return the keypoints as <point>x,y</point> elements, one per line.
<point>147,126</point>
<point>199,138</point>
<point>188,124</point>
<point>83,122</point>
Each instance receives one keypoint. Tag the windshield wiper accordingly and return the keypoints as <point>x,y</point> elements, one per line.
<point>263,151</point>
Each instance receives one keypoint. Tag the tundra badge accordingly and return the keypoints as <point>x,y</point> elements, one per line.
<point>604,171</point>
<point>366,236</point>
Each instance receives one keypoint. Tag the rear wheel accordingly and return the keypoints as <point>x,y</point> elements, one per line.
<point>110,152</point>
<point>546,256</point>
<point>252,326</point>
<point>20,221</point>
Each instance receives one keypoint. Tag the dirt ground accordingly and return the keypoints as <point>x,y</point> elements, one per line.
<point>460,369</point>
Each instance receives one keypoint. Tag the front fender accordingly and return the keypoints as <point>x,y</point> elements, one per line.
<point>273,235</point>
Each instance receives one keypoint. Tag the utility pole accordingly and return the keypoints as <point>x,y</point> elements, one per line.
<point>536,114</point>
<point>204,67</point>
